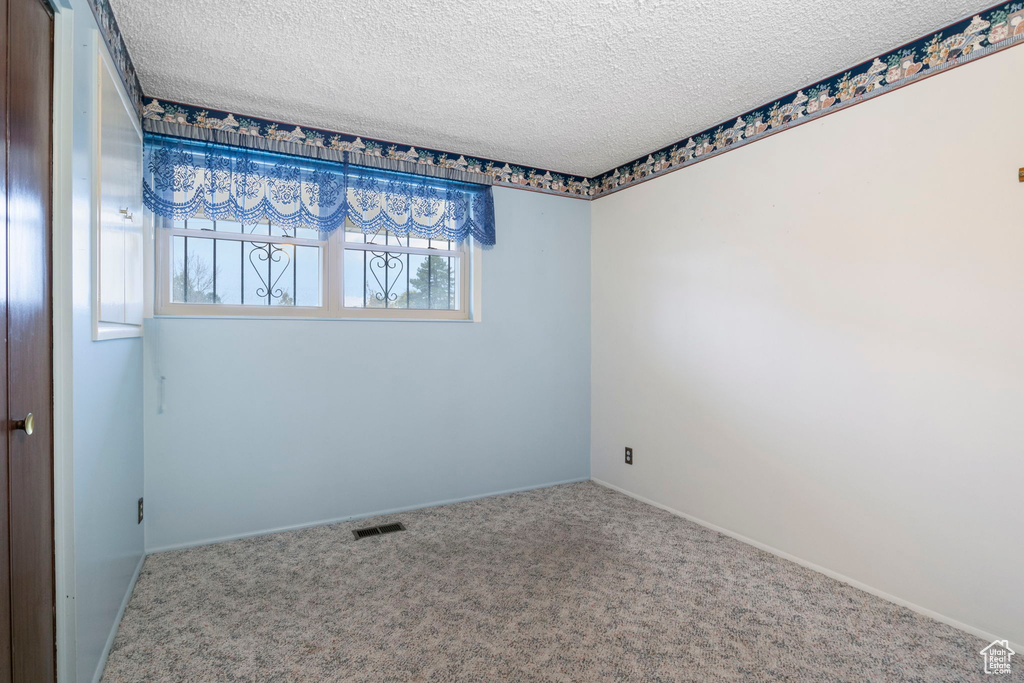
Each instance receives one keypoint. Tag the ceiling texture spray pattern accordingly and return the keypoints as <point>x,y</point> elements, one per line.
<point>560,85</point>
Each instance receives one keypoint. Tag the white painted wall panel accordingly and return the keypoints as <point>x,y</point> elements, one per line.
<point>815,341</point>
<point>107,396</point>
<point>264,424</point>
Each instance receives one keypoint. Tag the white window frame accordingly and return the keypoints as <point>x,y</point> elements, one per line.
<point>332,275</point>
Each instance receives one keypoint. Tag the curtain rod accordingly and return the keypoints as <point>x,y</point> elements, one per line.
<point>234,141</point>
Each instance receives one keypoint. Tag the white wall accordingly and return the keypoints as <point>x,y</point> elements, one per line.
<point>817,342</point>
<point>107,436</point>
<point>269,424</point>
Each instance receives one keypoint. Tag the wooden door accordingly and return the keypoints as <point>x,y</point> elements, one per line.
<point>28,650</point>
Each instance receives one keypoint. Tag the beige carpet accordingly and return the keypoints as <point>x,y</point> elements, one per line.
<point>571,583</point>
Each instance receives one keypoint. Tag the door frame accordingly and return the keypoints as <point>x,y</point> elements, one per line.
<point>63,340</point>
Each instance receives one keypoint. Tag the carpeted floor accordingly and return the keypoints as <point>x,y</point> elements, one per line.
<point>570,583</point>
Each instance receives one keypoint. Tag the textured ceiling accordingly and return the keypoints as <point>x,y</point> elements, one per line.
<point>574,86</point>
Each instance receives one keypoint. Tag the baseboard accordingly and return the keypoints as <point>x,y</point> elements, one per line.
<point>949,621</point>
<point>117,622</point>
<point>361,515</point>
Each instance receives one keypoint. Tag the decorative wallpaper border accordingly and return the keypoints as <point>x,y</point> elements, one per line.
<point>500,173</point>
<point>987,32</point>
<point>118,50</point>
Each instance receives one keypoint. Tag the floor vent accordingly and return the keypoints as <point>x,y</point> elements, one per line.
<point>378,530</point>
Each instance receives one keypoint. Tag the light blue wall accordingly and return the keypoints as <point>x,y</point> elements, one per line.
<point>269,424</point>
<point>107,394</point>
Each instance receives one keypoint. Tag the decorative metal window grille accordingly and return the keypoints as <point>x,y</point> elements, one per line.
<point>384,270</point>
<point>222,267</point>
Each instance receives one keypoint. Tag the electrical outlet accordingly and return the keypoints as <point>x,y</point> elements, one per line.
<point>140,511</point>
<point>629,455</point>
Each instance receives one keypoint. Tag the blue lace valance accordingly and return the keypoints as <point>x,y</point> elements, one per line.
<point>183,178</point>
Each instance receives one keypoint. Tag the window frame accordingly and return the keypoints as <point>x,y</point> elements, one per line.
<point>332,279</point>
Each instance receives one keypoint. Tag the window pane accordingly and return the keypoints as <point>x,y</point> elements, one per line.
<point>388,238</point>
<point>398,280</point>
<point>210,270</point>
<point>386,280</point>
<point>384,238</point>
<point>456,271</point>
<point>282,274</point>
<point>307,276</point>
<point>193,270</point>
<point>376,237</point>
<point>418,287</point>
<point>373,294</point>
<point>393,280</point>
<point>440,282</point>
<point>229,226</point>
<point>268,273</point>
<point>355,276</point>
<point>353,234</point>
<point>283,231</point>
<point>198,223</point>
<point>178,273</point>
<point>306,233</point>
<point>229,272</point>
<point>255,273</point>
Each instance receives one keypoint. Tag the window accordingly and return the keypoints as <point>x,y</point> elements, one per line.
<point>224,268</point>
<point>340,262</point>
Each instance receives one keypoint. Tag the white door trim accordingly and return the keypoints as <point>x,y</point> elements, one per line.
<point>63,405</point>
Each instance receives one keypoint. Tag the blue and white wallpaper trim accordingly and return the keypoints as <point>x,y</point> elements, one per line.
<point>111,34</point>
<point>497,172</point>
<point>985,33</point>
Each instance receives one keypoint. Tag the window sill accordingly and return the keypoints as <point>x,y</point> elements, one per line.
<point>319,318</point>
<point>103,331</point>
